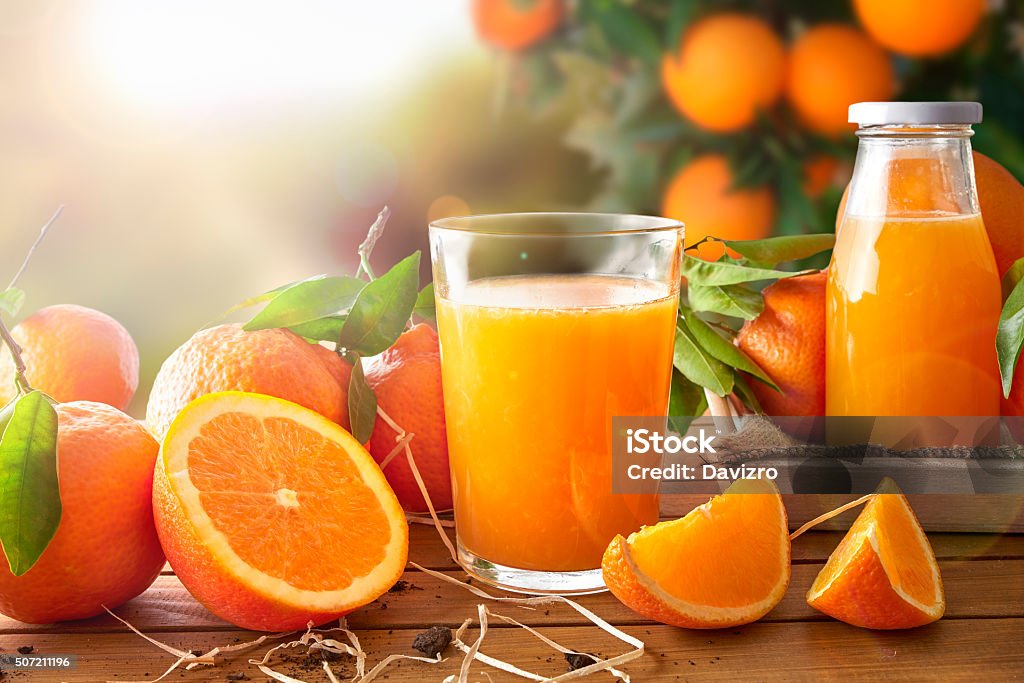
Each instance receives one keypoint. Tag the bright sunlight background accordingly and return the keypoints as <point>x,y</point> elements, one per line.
<point>208,151</point>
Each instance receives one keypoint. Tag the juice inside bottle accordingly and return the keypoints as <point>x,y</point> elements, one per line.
<point>913,293</point>
<point>534,368</point>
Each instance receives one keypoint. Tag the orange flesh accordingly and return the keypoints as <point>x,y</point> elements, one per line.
<point>534,369</point>
<point>900,547</point>
<point>743,531</point>
<point>261,481</point>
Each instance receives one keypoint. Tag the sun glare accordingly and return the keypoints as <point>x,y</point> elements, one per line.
<point>207,58</point>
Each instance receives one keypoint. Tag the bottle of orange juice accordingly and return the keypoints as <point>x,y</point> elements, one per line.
<point>913,292</point>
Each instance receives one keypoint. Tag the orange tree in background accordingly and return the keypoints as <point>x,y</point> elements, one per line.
<point>731,115</point>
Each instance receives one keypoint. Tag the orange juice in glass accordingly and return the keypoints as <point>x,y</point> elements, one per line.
<point>550,325</point>
<point>913,294</point>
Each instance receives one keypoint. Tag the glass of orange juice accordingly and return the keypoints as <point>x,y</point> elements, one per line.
<point>550,324</point>
<point>913,293</point>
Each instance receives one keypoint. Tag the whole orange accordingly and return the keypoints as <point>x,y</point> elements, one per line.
<point>788,341</point>
<point>701,196</point>
<point>728,67</point>
<point>106,550</point>
<point>831,66</point>
<point>275,362</point>
<point>1002,207</point>
<point>516,24</point>
<point>823,171</point>
<point>74,353</point>
<point>407,382</point>
<point>920,28</point>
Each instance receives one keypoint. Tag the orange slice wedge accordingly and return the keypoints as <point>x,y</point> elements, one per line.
<point>724,564</point>
<point>883,574</point>
<point>272,515</point>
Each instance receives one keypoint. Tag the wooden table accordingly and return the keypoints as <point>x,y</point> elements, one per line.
<point>980,639</point>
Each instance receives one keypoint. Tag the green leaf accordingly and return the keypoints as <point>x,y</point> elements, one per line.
<point>722,349</point>
<point>625,29</point>
<point>327,328</point>
<point>733,300</point>
<point>382,309</point>
<point>264,297</point>
<point>30,508</point>
<point>773,250</point>
<point>11,301</point>
<point>307,301</point>
<point>700,367</point>
<point>1013,275</point>
<point>686,402</point>
<point>425,304</point>
<point>700,272</point>
<point>743,390</point>
<point>1010,335</point>
<point>678,18</point>
<point>362,403</point>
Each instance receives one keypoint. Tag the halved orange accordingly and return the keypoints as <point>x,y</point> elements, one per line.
<point>724,564</point>
<point>883,574</point>
<point>272,515</point>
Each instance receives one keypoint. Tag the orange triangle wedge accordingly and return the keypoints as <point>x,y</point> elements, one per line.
<point>883,574</point>
<point>273,516</point>
<point>724,564</point>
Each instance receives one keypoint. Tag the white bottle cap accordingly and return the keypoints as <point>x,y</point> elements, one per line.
<point>888,113</point>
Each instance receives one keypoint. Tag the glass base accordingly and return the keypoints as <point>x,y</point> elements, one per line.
<point>530,581</point>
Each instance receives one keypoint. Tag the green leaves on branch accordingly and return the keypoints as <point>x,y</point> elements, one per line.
<point>686,401</point>
<point>308,301</point>
<point>734,301</point>
<point>362,403</point>
<point>30,508</point>
<point>624,28</point>
<point>1010,334</point>
<point>701,272</point>
<point>361,317</point>
<point>774,250</point>
<point>382,309</point>
<point>699,366</point>
<point>425,305</point>
<point>705,353</point>
<point>723,349</point>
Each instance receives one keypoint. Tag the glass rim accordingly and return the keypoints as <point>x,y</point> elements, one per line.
<point>627,223</point>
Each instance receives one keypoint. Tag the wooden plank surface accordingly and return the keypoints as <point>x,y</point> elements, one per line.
<point>950,650</point>
<point>967,513</point>
<point>983,576</point>
<point>974,589</point>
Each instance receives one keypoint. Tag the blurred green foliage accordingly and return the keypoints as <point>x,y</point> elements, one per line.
<point>603,65</point>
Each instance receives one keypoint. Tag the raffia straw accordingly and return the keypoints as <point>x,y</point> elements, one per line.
<point>830,514</point>
<point>599,665</point>
<point>415,519</point>
<point>330,674</point>
<point>400,442</point>
<point>419,482</point>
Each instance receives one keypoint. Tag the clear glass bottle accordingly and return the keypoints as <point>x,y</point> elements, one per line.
<point>913,293</point>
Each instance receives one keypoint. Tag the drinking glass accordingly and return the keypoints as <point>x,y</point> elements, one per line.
<point>550,324</point>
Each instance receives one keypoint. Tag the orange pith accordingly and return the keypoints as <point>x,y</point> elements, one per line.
<point>724,564</point>
<point>883,575</point>
<point>272,515</point>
